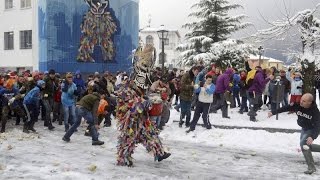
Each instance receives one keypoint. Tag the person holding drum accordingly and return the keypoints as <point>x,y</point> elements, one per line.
<point>163,91</point>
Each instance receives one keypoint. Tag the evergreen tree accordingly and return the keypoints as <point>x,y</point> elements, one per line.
<point>214,21</point>
<point>213,25</point>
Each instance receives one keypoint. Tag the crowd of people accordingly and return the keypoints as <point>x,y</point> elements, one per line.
<point>70,98</point>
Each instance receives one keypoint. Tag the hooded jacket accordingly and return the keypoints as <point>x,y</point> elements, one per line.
<point>259,83</point>
<point>80,84</point>
<point>223,82</point>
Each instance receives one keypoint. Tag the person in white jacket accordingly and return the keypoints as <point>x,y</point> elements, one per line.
<point>296,87</point>
<point>204,102</point>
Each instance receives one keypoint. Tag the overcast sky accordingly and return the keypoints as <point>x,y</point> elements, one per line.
<point>174,13</point>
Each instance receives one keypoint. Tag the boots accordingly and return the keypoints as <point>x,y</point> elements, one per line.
<point>97,143</point>
<point>25,128</point>
<point>310,162</point>
<point>31,127</point>
<point>315,148</point>
<point>3,128</point>
<point>164,156</point>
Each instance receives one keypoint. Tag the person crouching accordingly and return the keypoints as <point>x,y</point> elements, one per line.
<point>31,104</point>
<point>87,108</point>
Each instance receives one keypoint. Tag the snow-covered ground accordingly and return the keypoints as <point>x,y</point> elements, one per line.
<point>203,154</point>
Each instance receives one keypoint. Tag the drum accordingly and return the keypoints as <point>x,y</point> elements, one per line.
<point>156,109</point>
<point>157,105</point>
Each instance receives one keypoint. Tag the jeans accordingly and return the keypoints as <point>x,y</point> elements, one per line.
<point>285,99</point>
<point>185,111</point>
<point>156,119</point>
<point>236,97</point>
<point>304,136</point>
<point>67,112</point>
<point>244,104</point>
<point>82,112</point>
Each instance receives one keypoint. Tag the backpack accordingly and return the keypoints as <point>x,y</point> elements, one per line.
<point>250,78</point>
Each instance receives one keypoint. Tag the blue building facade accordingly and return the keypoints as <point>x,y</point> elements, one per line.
<point>59,34</point>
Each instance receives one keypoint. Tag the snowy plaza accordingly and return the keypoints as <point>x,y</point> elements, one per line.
<point>159,89</point>
<point>204,154</point>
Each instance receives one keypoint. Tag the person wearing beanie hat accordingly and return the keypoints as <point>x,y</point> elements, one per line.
<point>52,71</point>
<point>69,90</point>
<point>52,85</point>
<point>31,104</point>
<point>8,96</point>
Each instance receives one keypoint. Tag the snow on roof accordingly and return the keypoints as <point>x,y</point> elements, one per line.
<point>256,57</point>
<point>152,29</point>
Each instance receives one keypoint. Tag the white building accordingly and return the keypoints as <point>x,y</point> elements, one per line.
<point>17,34</point>
<point>149,35</point>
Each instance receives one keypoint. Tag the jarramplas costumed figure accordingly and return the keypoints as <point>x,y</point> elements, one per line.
<point>133,119</point>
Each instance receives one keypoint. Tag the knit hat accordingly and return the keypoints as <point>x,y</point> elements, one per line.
<point>52,71</point>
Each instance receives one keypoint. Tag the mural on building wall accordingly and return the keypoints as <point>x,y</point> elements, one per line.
<point>97,29</point>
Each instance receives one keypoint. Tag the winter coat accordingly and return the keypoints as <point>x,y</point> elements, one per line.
<point>308,118</point>
<point>186,87</point>
<point>69,92</point>
<point>206,94</point>
<point>236,81</point>
<point>91,103</point>
<point>286,83</point>
<point>33,97</point>
<point>80,83</point>
<point>6,95</point>
<point>223,82</point>
<point>259,83</point>
<point>242,85</point>
<point>51,86</point>
<point>296,85</point>
<point>272,90</point>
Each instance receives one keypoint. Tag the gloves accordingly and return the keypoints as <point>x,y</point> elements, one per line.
<point>196,86</point>
<point>45,95</point>
<point>11,101</point>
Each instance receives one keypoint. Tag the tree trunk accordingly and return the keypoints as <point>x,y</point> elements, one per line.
<point>308,73</point>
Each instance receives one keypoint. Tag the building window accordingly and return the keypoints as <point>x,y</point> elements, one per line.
<point>160,58</point>
<point>26,39</point>
<point>25,3</point>
<point>166,42</point>
<point>149,40</point>
<point>8,4</point>
<point>8,40</point>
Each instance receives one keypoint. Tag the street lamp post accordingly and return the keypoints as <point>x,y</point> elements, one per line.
<point>261,50</point>
<point>163,35</point>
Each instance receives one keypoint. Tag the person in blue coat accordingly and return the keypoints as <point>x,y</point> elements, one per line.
<point>80,84</point>
<point>68,100</point>
<point>236,88</point>
<point>31,104</point>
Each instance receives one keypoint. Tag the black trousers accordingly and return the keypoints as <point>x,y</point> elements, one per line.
<point>204,109</point>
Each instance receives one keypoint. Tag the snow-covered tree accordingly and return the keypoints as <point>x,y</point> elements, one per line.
<point>309,28</point>
<point>213,24</point>
<point>214,20</point>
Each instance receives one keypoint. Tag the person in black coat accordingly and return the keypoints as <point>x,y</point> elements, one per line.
<point>309,120</point>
